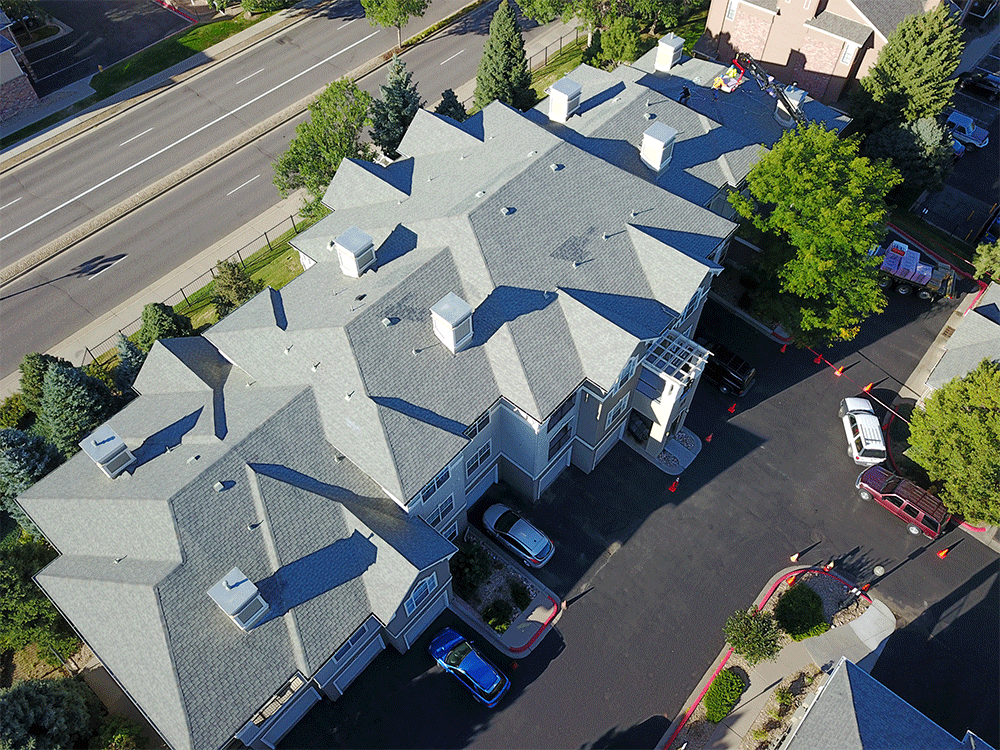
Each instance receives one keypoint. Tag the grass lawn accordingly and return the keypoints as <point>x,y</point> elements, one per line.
<point>558,65</point>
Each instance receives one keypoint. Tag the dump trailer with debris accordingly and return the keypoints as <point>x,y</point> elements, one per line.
<point>909,271</point>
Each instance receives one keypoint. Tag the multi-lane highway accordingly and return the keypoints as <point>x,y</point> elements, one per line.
<point>79,179</point>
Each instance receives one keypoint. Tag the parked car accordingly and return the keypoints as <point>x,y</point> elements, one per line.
<point>727,371</point>
<point>924,512</point>
<point>957,147</point>
<point>985,85</point>
<point>458,657</point>
<point>865,443</point>
<point>964,128</point>
<point>517,535</point>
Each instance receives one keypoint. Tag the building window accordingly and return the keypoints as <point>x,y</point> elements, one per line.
<point>616,411</point>
<point>625,375</point>
<point>442,511</point>
<point>452,532</point>
<point>478,426</point>
<point>848,54</point>
<point>477,460</point>
<point>434,485</point>
<point>561,438</point>
<point>650,384</point>
<point>564,408</point>
<point>420,593</point>
<point>356,637</point>
<point>731,10</point>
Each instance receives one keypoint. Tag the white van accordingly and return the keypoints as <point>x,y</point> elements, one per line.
<point>865,443</point>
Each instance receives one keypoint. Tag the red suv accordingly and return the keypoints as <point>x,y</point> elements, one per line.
<point>924,512</point>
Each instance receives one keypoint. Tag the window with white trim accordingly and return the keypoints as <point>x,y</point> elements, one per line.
<point>731,10</point>
<point>443,510</point>
<point>848,54</point>
<point>696,300</point>
<point>625,375</point>
<point>564,408</point>
<point>356,637</point>
<point>478,459</point>
<point>420,593</point>
<point>434,485</point>
<point>452,532</point>
<point>478,426</point>
<point>617,410</point>
<point>562,437</point>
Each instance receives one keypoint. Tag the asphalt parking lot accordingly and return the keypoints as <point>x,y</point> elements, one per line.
<point>651,575</point>
<point>103,33</point>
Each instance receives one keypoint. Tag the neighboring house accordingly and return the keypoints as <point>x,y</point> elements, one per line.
<point>500,302</point>
<point>819,45</point>
<point>16,92</point>
<point>975,338</point>
<point>854,711</point>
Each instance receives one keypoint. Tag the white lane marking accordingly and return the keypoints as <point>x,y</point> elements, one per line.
<point>452,57</point>
<point>241,186</point>
<point>248,77</point>
<point>10,204</point>
<point>180,140</point>
<point>105,269</point>
<point>347,24</point>
<point>134,137</point>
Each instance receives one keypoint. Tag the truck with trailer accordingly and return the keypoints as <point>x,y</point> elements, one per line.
<point>910,272</point>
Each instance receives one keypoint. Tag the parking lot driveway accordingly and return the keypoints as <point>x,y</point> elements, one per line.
<point>104,32</point>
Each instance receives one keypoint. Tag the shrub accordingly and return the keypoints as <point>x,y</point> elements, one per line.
<point>470,567</point>
<point>722,695</point>
<point>161,322</point>
<point>519,593</point>
<point>799,612</point>
<point>233,286</point>
<point>753,634</point>
<point>47,714</point>
<point>24,459</point>
<point>14,413</point>
<point>498,615</point>
<point>784,697</point>
<point>117,733</point>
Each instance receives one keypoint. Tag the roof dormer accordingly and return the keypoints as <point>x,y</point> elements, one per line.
<point>355,251</point>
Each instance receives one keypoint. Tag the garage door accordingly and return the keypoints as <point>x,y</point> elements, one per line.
<point>422,622</point>
<point>358,665</point>
<point>554,471</point>
<point>481,486</point>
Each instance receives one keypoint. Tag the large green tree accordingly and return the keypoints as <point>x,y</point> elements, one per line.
<point>159,321</point>
<point>331,134</point>
<point>451,107</point>
<point>955,438</point>
<point>620,41</point>
<point>393,13</point>
<point>503,69</point>
<point>130,359</point>
<point>823,207</point>
<point>921,151</point>
<point>987,259</point>
<point>392,114</point>
<point>48,715</point>
<point>74,404</point>
<point>911,78</point>
<point>33,368</point>
<point>233,286</point>
<point>24,459</point>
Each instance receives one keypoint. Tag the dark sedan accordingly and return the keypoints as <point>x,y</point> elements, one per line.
<point>984,85</point>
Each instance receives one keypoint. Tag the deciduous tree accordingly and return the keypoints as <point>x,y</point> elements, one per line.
<point>954,437</point>
<point>393,13</point>
<point>987,260</point>
<point>503,69</point>
<point>161,322</point>
<point>50,714</point>
<point>331,134</point>
<point>24,459</point>
<point>824,207</point>
<point>392,114</point>
<point>451,107</point>
<point>73,405</point>
<point>233,286</point>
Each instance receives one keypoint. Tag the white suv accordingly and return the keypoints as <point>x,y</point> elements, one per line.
<point>865,443</point>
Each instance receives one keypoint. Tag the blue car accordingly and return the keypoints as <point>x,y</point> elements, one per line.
<point>457,656</point>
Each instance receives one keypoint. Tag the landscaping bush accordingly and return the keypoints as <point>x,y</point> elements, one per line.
<point>784,697</point>
<point>753,634</point>
<point>117,733</point>
<point>470,567</point>
<point>14,413</point>
<point>722,695</point>
<point>498,615</point>
<point>519,593</point>
<point>799,612</point>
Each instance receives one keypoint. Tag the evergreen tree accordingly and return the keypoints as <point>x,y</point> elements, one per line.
<point>503,69</point>
<point>33,368</point>
<point>620,41</point>
<point>451,107</point>
<point>911,79</point>
<point>393,13</point>
<point>73,405</point>
<point>920,150</point>
<point>24,459</point>
<point>161,322</point>
<point>51,714</point>
<point>130,359</point>
<point>233,286</point>
<point>392,114</point>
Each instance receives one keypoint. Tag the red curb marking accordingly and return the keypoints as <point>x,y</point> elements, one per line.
<point>732,409</point>
<point>519,649</point>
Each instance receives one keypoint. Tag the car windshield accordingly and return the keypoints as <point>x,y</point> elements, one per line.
<point>455,656</point>
<point>890,485</point>
<point>506,521</point>
<point>878,453</point>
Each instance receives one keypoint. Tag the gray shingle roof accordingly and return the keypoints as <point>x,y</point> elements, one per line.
<point>840,27</point>
<point>886,15</point>
<point>977,338</point>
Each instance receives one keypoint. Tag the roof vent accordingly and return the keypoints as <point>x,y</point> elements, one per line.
<point>795,97</point>
<point>658,146</point>
<point>237,596</point>
<point>107,451</point>
<point>668,52</point>
<point>564,99</point>
<point>356,252</point>
<point>451,317</point>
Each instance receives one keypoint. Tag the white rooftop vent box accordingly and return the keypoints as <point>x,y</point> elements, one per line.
<point>238,597</point>
<point>795,96</point>
<point>564,99</point>
<point>355,251</point>
<point>658,146</point>
<point>107,450</point>
<point>668,52</point>
<point>451,317</point>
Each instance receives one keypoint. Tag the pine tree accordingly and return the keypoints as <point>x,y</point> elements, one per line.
<point>24,459</point>
<point>48,714</point>
<point>33,368</point>
<point>503,69</point>
<point>130,359</point>
<point>920,150</point>
<point>161,322</point>
<point>73,405</point>
<point>233,286</point>
<point>451,107</point>
<point>392,114</point>
<point>620,41</point>
<point>911,78</point>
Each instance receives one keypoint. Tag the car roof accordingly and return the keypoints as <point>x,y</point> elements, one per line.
<point>858,404</point>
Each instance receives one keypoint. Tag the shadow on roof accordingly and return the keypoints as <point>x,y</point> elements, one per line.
<point>420,413</point>
<point>400,241</point>
<point>504,305</point>
<point>169,437</point>
<point>641,317</point>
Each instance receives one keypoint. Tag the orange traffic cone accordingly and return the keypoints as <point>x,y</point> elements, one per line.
<point>839,371</point>
<point>708,438</point>
<point>866,587</point>
<point>819,358</point>
<point>791,580</point>
<point>943,553</point>
<point>784,348</point>
<point>868,388</point>
<point>828,566</point>
<point>794,558</point>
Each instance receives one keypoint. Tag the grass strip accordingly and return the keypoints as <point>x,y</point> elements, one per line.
<point>558,65</point>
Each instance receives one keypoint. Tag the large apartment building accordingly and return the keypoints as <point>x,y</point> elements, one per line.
<point>514,294</point>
